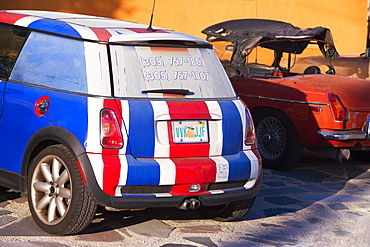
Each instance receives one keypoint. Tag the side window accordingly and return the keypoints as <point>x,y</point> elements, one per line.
<point>11,42</point>
<point>52,61</point>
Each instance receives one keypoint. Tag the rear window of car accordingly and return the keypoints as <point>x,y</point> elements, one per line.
<point>138,70</point>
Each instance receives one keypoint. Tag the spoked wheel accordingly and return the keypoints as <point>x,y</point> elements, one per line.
<point>272,136</point>
<point>277,140</point>
<point>57,198</point>
<point>227,212</point>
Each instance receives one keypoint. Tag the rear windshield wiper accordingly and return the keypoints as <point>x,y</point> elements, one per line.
<point>169,91</point>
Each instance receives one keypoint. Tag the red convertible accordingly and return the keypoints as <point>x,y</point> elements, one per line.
<point>326,113</point>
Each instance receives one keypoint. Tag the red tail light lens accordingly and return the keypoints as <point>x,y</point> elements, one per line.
<point>250,135</point>
<point>110,131</point>
<point>338,110</point>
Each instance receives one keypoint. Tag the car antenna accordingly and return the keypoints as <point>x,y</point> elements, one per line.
<point>150,29</point>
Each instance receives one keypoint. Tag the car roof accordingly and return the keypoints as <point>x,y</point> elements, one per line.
<point>91,27</point>
<point>271,34</point>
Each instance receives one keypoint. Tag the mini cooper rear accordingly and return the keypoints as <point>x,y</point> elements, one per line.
<point>96,111</point>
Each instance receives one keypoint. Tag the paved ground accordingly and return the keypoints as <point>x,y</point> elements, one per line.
<point>320,203</point>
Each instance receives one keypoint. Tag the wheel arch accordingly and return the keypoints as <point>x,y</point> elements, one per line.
<point>281,150</point>
<point>45,137</point>
<point>256,109</point>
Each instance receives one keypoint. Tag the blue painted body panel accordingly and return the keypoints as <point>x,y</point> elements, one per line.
<point>19,121</point>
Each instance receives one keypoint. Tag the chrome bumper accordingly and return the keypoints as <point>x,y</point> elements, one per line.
<point>344,135</point>
<point>341,135</point>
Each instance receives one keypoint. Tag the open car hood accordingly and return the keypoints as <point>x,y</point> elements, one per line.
<point>280,36</point>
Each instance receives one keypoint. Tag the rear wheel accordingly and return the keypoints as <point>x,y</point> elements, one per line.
<point>57,197</point>
<point>227,212</point>
<point>278,143</point>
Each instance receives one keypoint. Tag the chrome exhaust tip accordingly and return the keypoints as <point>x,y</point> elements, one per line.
<point>195,203</point>
<point>190,204</point>
<point>186,205</point>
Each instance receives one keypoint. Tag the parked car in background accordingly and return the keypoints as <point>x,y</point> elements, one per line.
<point>96,111</point>
<point>352,65</point>
<point>329,114</point>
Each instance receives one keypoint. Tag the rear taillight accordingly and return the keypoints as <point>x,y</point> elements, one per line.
<point>250,135</point>
<point>110,131</point>
<point>338,110</point>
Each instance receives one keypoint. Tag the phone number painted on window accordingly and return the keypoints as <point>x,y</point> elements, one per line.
<point>171,61</point>
<point>176,75</point>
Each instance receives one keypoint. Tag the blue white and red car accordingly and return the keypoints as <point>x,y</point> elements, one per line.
<point>96,111</point>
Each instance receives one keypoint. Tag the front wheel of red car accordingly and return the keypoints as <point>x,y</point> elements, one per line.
<point>278,143</point>
<point>227,212</point>
<point>58,200</point>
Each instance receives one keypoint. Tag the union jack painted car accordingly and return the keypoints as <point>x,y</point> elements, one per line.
<point>97,111</point>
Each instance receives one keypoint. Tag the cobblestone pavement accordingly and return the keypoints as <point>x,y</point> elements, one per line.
<point>320,203</point>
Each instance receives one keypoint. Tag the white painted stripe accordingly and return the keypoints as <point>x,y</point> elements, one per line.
<point>215,128</point>
<point>125,125</point>
<point>86,33</point>
<point>97,164</point>
<point>222,169</point>
<point>26,21</point>
<point>97,69</point>
<point>250,184</point>
<point>242,113</point>
<point>167,171</point>
<point>214,109</point>
<point>161,142</point>
<point>254,164</point>
<point>163,195</point>
<point>124,171</point>
<point>216,192</point>
<point>92,143</point>
<point>254,169</point>
<point>118,191</point>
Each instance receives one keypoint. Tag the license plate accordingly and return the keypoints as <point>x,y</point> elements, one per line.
<point>190,131</point>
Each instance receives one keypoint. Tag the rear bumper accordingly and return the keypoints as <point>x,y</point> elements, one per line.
<point>342,135</point>
<point>176,201</point>
<point>217,195</point>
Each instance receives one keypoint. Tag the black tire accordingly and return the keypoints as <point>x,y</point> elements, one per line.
<point>57,198</point>
<point>277,141</point>
<point>363,156</point>
<point>227,212</point>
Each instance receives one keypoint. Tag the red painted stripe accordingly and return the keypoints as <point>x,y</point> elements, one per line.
<point>188,110</point>
<point>102,33</point>
<point>193,171</point>
<point>185,110</point>
<point>10,18</point>
<point>144,30</point>
<point>81,172</point>
<point>180,150</point>
<point>112,164</point>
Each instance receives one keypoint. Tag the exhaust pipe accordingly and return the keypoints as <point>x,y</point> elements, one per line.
<point>195,203</point>
<point>339,154</point>
<point>186,205</point>
<point>190,204</point>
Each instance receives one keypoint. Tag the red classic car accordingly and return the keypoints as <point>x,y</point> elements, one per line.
<point>329,114</point>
